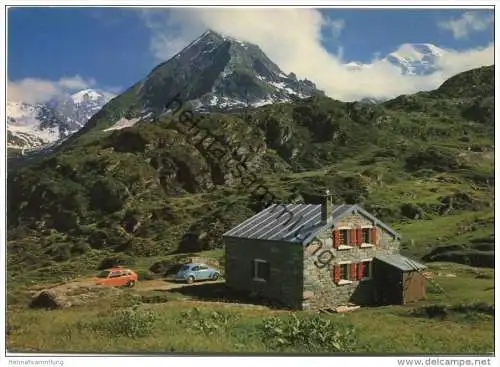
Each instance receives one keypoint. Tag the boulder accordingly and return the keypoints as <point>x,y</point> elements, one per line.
<point>49,300</point>
<point>72,294</point>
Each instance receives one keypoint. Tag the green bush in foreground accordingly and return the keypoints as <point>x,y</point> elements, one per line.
<point>207,322</point>
<point>130,322</point>
<point>312,334</point>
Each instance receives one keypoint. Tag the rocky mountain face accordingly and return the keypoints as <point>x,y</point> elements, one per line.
<point>38,125</point>
<point>214,73</point>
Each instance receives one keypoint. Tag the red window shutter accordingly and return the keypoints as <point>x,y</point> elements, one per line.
<point>336,238</point>
<point>359,236</point>
<point>336,273</point>
<point>361,270</point>
<point>353,272</point>
<point>352,237</point>
<point>373,235</point>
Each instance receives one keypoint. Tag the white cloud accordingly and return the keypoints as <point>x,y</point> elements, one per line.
<point>75,83</point>
<point>33,90</point>
<point>334,26</point>
<point>470,21</point>
<point>292,39</point>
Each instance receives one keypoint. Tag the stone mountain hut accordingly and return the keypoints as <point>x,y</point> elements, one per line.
<point>314,256</point>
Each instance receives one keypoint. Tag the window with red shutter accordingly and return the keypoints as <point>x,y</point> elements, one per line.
<point>353,275</point>
<point>352,237</point>
<point>373,235</point>
<point>359,236</point>
<point>336,238</point>
<point>361,269</point>
<point>336,273</point>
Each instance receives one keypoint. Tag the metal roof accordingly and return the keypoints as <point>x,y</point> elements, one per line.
<point>401,262</point>
<point>277,224</point>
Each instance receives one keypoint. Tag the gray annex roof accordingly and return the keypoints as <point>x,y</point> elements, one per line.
<point>401,262</point>
<point>277,224</point>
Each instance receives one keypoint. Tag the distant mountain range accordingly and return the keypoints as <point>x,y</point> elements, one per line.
<point>214,73</point>
<point>411,58</point>
<point>36,125</point>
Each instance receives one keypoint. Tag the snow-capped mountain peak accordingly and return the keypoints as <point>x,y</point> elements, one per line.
<point>218,72</point>
<point>416,58</point>
<point>86,95</point>
<point>36,125</point>
<point>410,58</point>
<point>416,51</point>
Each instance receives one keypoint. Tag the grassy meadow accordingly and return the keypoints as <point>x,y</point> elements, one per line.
<point>145,319</point>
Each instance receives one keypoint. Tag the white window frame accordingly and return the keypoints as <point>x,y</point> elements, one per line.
<point>256,263</point>
<point>370,269</point>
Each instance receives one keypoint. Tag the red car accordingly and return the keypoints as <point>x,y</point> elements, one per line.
<point>116,277</point>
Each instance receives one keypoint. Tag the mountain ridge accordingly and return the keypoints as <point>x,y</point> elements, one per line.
<point>415,59</point>
<point>150,189</point>
<point>214,73</point>
<point>37,125</point>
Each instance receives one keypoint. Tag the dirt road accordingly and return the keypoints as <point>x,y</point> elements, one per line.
<point>163,284</point>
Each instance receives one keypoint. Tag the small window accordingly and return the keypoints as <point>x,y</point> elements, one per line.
<point>344,271</point>
<point>260,270</point>
<point>344,236</point>
<point>115,274</point>
<point>366,235</point>
<point>195,268</point>
<point>203,267</point>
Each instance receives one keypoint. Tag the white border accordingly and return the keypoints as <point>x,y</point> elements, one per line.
<point>97,360</point>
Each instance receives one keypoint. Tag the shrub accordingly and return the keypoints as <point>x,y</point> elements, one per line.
<point>129,322</point>
<point>312,334</point>
<point>165,267</point>
<point>110,262</point>
<point>79,248</point>
<point>108,195</point>
<point>444,311</point>
<point>145,275</point>
<point>207,322</point>
<point>155,298</point>
<point>59,252</point>
<point>412,211</point>
<point>434,158</point>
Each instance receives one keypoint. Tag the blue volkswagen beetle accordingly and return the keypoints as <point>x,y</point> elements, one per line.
<point>190,273</point>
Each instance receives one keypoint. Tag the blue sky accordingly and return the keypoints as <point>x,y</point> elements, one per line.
<point>112,48</point>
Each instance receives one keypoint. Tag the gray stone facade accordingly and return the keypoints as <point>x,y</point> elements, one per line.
<point>301,277</point>
<point>285,261</point>
<point>320,289</point>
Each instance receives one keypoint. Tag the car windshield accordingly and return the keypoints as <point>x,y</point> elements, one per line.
<point>103,274</point>
<point>185,267</point>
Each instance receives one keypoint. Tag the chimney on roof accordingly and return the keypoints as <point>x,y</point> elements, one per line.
<point>326,206</point>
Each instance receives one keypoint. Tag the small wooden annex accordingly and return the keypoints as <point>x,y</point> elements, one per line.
<point>398,280</point>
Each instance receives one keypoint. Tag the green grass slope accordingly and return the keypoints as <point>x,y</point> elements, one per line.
<point>458,322</point>
<point>423,163</point>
